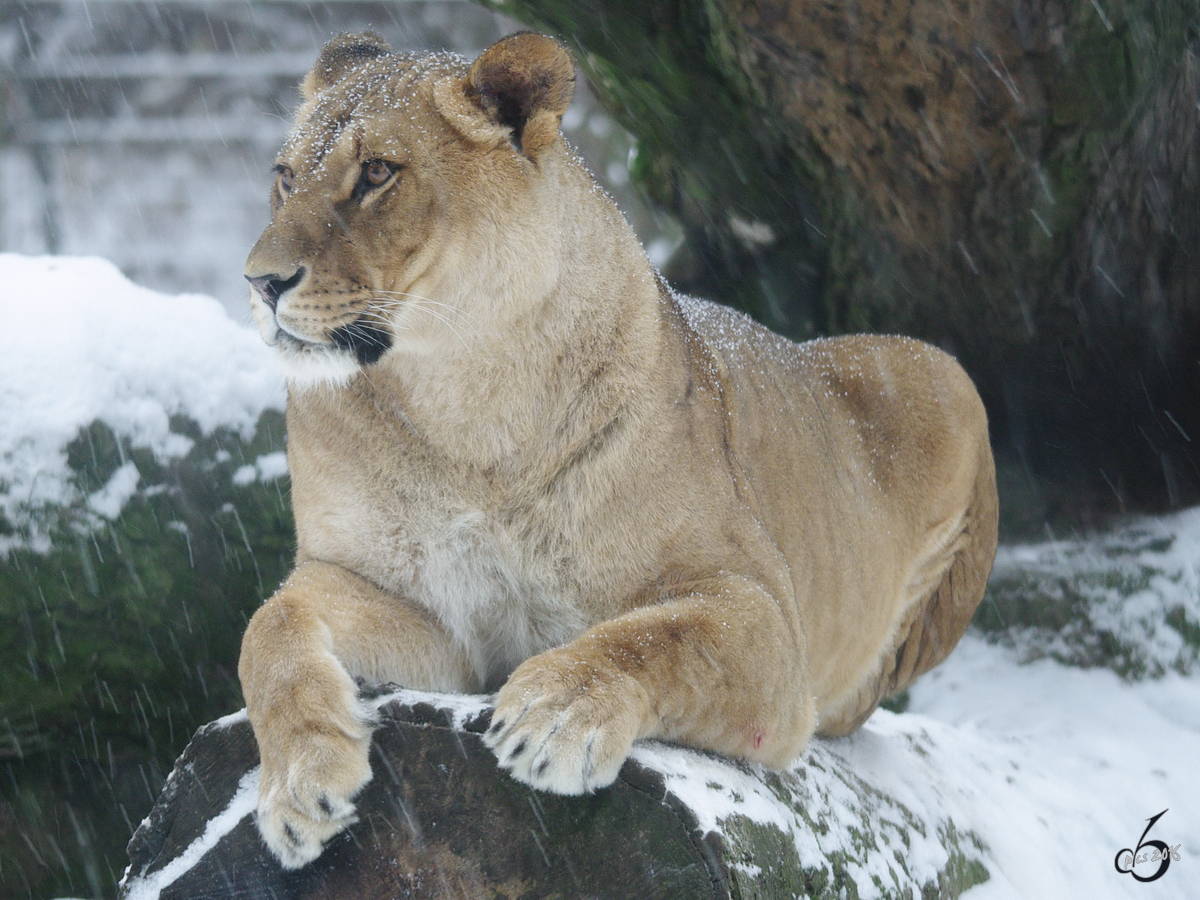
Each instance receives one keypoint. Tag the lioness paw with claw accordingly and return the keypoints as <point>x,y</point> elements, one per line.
<point>314,740</point>
<point>308,799</point>
<point>565,725</point>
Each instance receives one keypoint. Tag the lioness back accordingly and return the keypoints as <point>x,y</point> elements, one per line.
<point>520,462</point>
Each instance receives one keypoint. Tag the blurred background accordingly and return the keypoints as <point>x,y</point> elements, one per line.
<point>145,132</point>
<point>1019,187</point>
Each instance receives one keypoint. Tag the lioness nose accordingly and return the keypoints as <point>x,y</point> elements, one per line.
<point>272,287</point>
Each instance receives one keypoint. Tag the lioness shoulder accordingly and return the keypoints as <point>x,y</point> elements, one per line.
<point>521,463</point>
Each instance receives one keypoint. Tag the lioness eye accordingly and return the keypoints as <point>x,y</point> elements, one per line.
<point>283,178</point>
<point>376,172</point>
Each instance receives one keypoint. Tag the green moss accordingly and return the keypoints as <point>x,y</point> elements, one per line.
<point>769,853</point>
<point>766,863</point>
<point>1104,67</point>
<point>1028,600</point>
<point>964,869</point>
<point>1106,601</point>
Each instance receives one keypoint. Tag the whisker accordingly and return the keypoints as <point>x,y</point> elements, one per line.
<point>445,321</point>
<point>373,316</point>
<point>426,304</point>
<point>418,297</point>
<point>454,309</point>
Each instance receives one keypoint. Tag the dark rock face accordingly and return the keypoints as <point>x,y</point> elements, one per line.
<point>437,820</point>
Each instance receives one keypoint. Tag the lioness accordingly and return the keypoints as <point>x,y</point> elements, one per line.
<point>519,461</point>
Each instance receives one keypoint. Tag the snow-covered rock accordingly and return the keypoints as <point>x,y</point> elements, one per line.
<point>1013,780</point>
<point>80,344</point>
<point>440,819</point>
<point>1128,600</point>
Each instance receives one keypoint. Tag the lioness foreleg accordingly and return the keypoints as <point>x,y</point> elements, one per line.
<point>300,654</point>
<point>720,668</point>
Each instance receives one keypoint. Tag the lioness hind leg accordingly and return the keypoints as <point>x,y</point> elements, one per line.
<point>947,585</point>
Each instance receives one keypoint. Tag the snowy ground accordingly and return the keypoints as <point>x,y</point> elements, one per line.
<point>1056,768</point>
<point>1065,764</point>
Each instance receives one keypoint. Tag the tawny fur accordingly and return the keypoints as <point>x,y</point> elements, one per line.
<point>637,516</point>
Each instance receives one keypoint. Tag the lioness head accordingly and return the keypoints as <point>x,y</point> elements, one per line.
<point>410,193</point>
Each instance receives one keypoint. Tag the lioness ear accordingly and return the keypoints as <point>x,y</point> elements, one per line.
<point>525,83</point>
<point>338,57</point>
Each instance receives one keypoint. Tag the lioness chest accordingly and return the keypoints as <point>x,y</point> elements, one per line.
<point>501,581</point>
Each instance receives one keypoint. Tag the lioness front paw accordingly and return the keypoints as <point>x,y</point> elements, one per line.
<point>306,793</point>
<point>565,726</point>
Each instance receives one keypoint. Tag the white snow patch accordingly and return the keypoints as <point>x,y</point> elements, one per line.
<point>1058,768</point>
<point>234,718</point>
<point>271,466</point>
<point>245,475</point>
<point>267,467</point>
<point>242,804</point>
<point>752,234</point>
<point>110,499</point>
<point>80,343</point>
<point>828,785</point>
<point>1136,587</point>
<point>462,707</point>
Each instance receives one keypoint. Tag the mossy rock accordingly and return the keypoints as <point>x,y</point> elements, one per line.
<point>123,638</point>
<point>1127,600</point>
